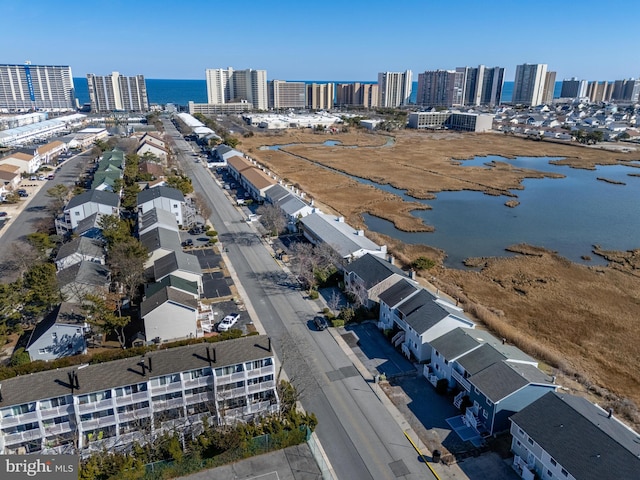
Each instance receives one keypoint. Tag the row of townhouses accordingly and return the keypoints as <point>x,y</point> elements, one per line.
<point>90,408</point>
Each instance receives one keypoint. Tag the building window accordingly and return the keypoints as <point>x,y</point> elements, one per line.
<point>549,474</point>
<point>521,432</point>
<point>54,335</point>
<point>564,472</point>
<point>530,441</point>
<point>489,402</point>
<point>485,414</point>
<point>553,462</point>
<point>42,351</point>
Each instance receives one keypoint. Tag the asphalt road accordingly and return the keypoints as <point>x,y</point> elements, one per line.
<point>36,210</point>
<point>359,435</point>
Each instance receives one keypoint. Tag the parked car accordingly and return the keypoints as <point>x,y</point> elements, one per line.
<point>320,322</point>
<point>228,322</point>
<point>3,214</point>
<point>187,243</point>
<point>22,193</point>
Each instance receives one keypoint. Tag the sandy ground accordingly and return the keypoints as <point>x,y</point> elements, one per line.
<point>578,319</point>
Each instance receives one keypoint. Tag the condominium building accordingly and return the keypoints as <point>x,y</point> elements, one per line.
<point>320,96</point>
<point>394,88</point>
<point>627,90</point>
<point>36,87</point>
<point>441,88</point>
<point>573,88</point>
<point>483,85</point>
<point>110,405</point>
<point>284,94</point>
<point>357,94</point>
<point>466,122</point>
<point>528,86</point>
<point>229,86</point>
<point>116,92</point>
<point>599,91</point>
<point>549,87</point>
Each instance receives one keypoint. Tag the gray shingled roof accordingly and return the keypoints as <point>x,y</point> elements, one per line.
<point>421,299</point>
<point>159,216</point>
<point>157,192</point>
<point>397,293</point>
<point>275,193</point>
<point>176,261</point>
<point>82,245</point>
<point>85,272</point>
<point>426,316</point>
<point>291,204</point>
<point>94,196</point>
<point>65,313</point>
<point>94,378</point>
<point>373,270</point>
<point>171,281</point>
<point>479,359</point>
<point>501,379</point>
<point>86,224</point>
<point>580,437</point>
<point>167,294</point>
<point>160,238</point>
<point>455,343</point>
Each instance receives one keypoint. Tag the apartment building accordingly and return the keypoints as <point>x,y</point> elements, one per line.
<point>117,92</point>
<point>234,86</point>
<point>549,87</point>
<point>394,88</point>
<point>357,94</point>
<point>441,88</point>
<point>36,87</point>
<point>483,85</point>
<point>466,122</point>
<point>320,96</point>
<point>528,86</point>
<point>110,405</point>
<point>284,94</point>
<point>573,88</point>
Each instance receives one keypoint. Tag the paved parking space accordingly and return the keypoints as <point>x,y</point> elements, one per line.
<point>216,285</point>
<point>208,258</point>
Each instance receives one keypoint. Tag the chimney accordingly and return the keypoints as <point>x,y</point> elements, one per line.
<point>150,368</point>
<point>391,259</point>
<point>412,274</point>
<point>75,376</point>
<point>311,203</point>
<point>360,233</point>
<point>0,393</point>
<point>72,382</point>
<point>269,338</point>
<point>143,364</point>
<point>504,340</point>
<point>340,219</point>
<point>610,413</point>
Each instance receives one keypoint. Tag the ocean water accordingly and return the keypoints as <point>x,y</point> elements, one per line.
<point>180,92</point>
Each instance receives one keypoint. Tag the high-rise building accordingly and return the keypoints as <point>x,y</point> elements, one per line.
<point>627,90</point>
<point>573,88</point>
<point>528,86</point>
<point>441,88</point>
<point>117,92</point>
<point>229,86</point>
<point>483,85</point>
<point>599,91</point>
<point>549,87</point>
<point>320,96</point>
<point>394,88</point>
<point>283,94</point>
<point>36,87</point>
<point>357,94</point>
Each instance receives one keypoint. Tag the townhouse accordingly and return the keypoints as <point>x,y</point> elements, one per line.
<point>85,205</point>
<point>111,405</point>
<point>164,198</point>
<point>80,249</point>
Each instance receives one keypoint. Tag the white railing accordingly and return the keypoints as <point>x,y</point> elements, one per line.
<point>258,387</point>
<point>258,372</point>
<point>234,377</point>
<point>457,402</point>
<point>232,393</point>
<point>197,398</point>
<point>433,379</point>
<point>461,380</point>
<point>92,407</point>
<point>98,422</point>
<point>19,419</point>
<point>22,436</point>
<point>198,382</point>
<point>133,398</point>
<point>57,429</point>
<point>167,404</point>
<point>135,415</point>
<point>56,411</point>
<point>171,387</point>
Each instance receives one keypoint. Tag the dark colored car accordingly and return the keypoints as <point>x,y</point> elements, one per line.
<point>187,243</point>
<point>320,322</point>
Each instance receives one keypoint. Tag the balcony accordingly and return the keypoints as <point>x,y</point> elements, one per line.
<point>234,377</point>
<point>133,398</point>
<point>261,372</point>
<point>167,404</point>
<point>258,387</point>
<point>95,406</point>
<point>22,436</point>
<point>461,380</point>
<point>56,411</point>
<point>57,429</point>
<point>135,415</point>
<point>232,393</point>
<point>19,419</point>
<point>198,382</point>
<point>197,398</point>
<point>99,422</point>
<point>171,387</point>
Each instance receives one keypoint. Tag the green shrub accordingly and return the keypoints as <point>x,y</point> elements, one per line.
<point>423,263</point>
<point>313,294</point>
<point>337,322</point>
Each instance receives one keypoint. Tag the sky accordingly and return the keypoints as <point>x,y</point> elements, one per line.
<point>323,40</point>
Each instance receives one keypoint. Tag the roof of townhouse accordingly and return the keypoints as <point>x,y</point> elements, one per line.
<point>86,224</point>
<point>455,343</point>
<point>81,245</point>
<point>425,316</point>
<point>176,261</point>
<point>85,272</point>
<point>7,167</point>
<point>160,237</point>
<point>373,270</point>
<point>512,352</point>
<point>239,163</point>
<point>292,204</point>
<point>395,294</point>
<point>164,295</point>
<point>65,314</point>
<point>49,146</point>
<point>171,281</point>
<point>107,375</point>
<point>334,231</point>
<point>501,379</point>
<point>157,192</point>
<point>276,193</point>
<point>480,358</point>
<point>19,156</point>
<point>581,437</point>
<point>258,178</point>
<point>222,149</point>
<point>8,176</point>
<point>153,145</point>
<point>94,196</point>
<point>157,217</point>
<point>418,301</point>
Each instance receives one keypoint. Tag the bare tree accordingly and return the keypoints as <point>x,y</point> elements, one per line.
<point>358,294</point>
<point>272,218</point>
<point>305,263</point>
<point>202,205</point>
<point>23,255</point>
<point>334,301</point>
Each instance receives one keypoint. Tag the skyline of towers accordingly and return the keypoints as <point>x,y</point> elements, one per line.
<point>394,88</point>
<point>36,87</point>
<point>117,92</point>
